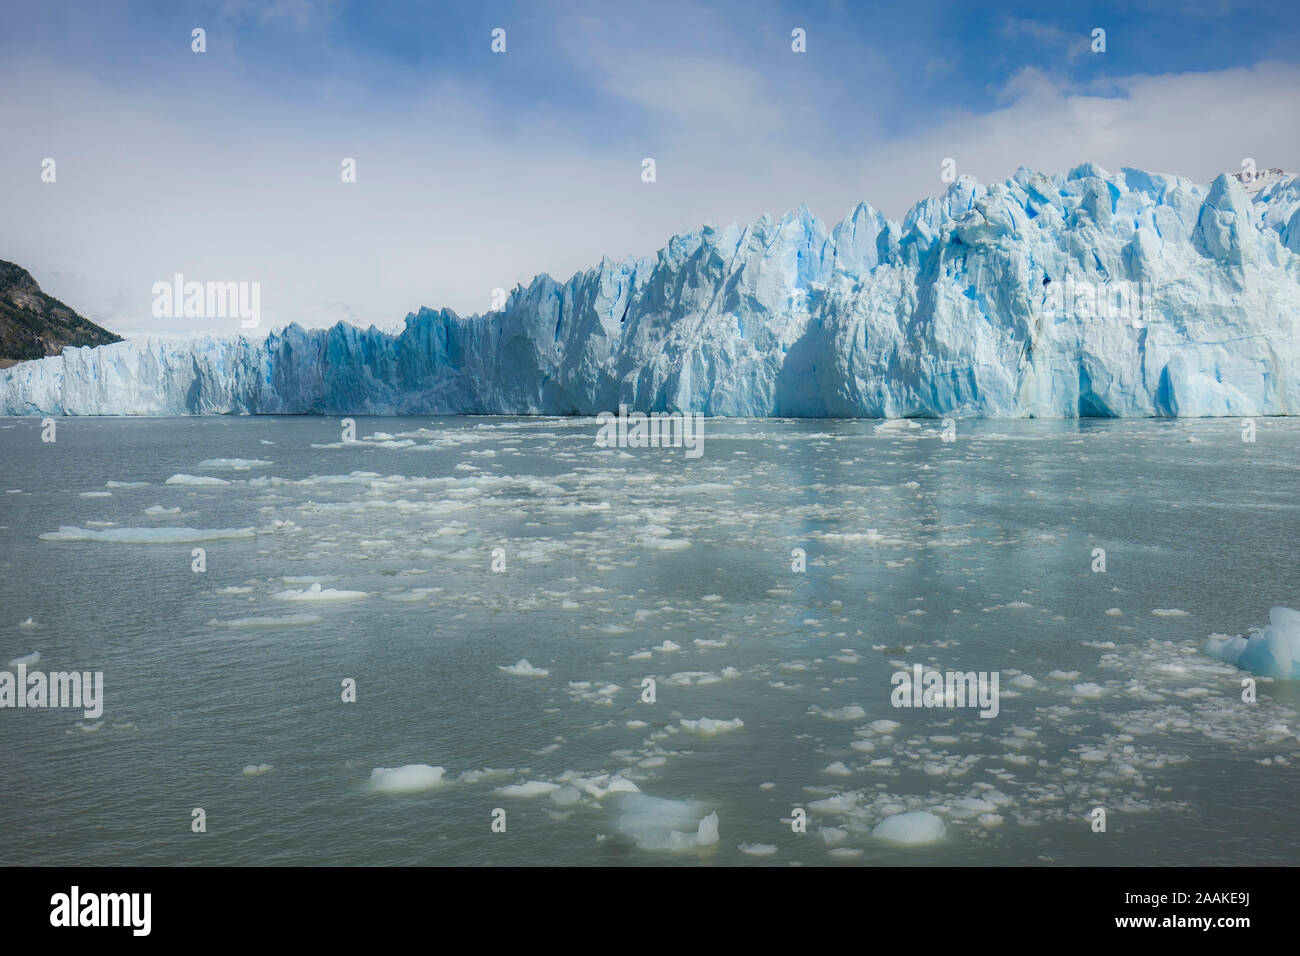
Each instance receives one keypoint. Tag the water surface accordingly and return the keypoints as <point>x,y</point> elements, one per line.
<point>621,565</point>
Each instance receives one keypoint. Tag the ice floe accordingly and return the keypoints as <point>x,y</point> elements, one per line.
<point>411,778</point>
<point>147,535</point>
<point>523,669</point>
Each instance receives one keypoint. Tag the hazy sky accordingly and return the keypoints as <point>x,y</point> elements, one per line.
<point>477,170</point>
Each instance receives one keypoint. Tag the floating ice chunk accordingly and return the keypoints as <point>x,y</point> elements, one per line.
<point>833,836</point>
<point>603,785</point>
<point>664,544</point>
<point>27,623</point>
<point>849,712</point>
<point>1169,612</point>
<point>477,776</point>
<point>1011,604</point>
<point>1089,691</point>
<point>195,480</point>
<point>1271,651</point>
<point>160,510</point>
<point>706,834</point>
<point>837,769</point>
<point>411,778</point>
<point>687,678</point>
<point>147,535</point>
<point>916,827</point>
<point>1226,647</point>
<point>533,788</point>
<point>1023,682</point>
<point>235,464</point>
<point>709,727</point>
<point>838,804</point>
<point>316,593</point>
<point>257,769</point>
<point>30,660</point>
<point>757,849</point>
<point>885,726</point>
<point>659,824</point>
<point>523,669</point>
<point>566,796</point>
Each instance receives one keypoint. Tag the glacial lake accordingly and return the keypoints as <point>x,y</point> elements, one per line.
<point>767,592</point>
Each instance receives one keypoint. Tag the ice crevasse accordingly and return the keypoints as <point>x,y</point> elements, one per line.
<point>970,306</point>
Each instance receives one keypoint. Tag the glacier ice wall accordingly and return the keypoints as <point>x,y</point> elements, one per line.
<point>945,313</point>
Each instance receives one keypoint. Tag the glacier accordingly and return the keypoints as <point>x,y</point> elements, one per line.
<point>984,301</point>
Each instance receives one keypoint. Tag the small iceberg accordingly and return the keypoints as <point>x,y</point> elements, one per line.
<point>316,593</point>
<point>913,828</point>
<point>655,823</point>
<point>147,535</point>
<point>411,778</point>
<point>524,669</point>
<point>1272,651</point>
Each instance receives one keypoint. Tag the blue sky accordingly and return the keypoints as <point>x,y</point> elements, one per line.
<point>477,170</point>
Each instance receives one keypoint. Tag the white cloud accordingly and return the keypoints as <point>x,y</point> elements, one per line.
<point>454,199</point>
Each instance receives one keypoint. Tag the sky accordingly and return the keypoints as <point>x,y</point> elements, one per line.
<point>476,170</point>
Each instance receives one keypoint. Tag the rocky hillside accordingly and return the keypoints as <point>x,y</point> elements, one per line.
<point>34,325</point>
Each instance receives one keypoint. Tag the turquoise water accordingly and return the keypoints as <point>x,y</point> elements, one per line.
<point>623,565</point>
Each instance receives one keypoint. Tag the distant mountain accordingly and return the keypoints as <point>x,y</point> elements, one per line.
<point>1256,181</point>
<point>34,325</point>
